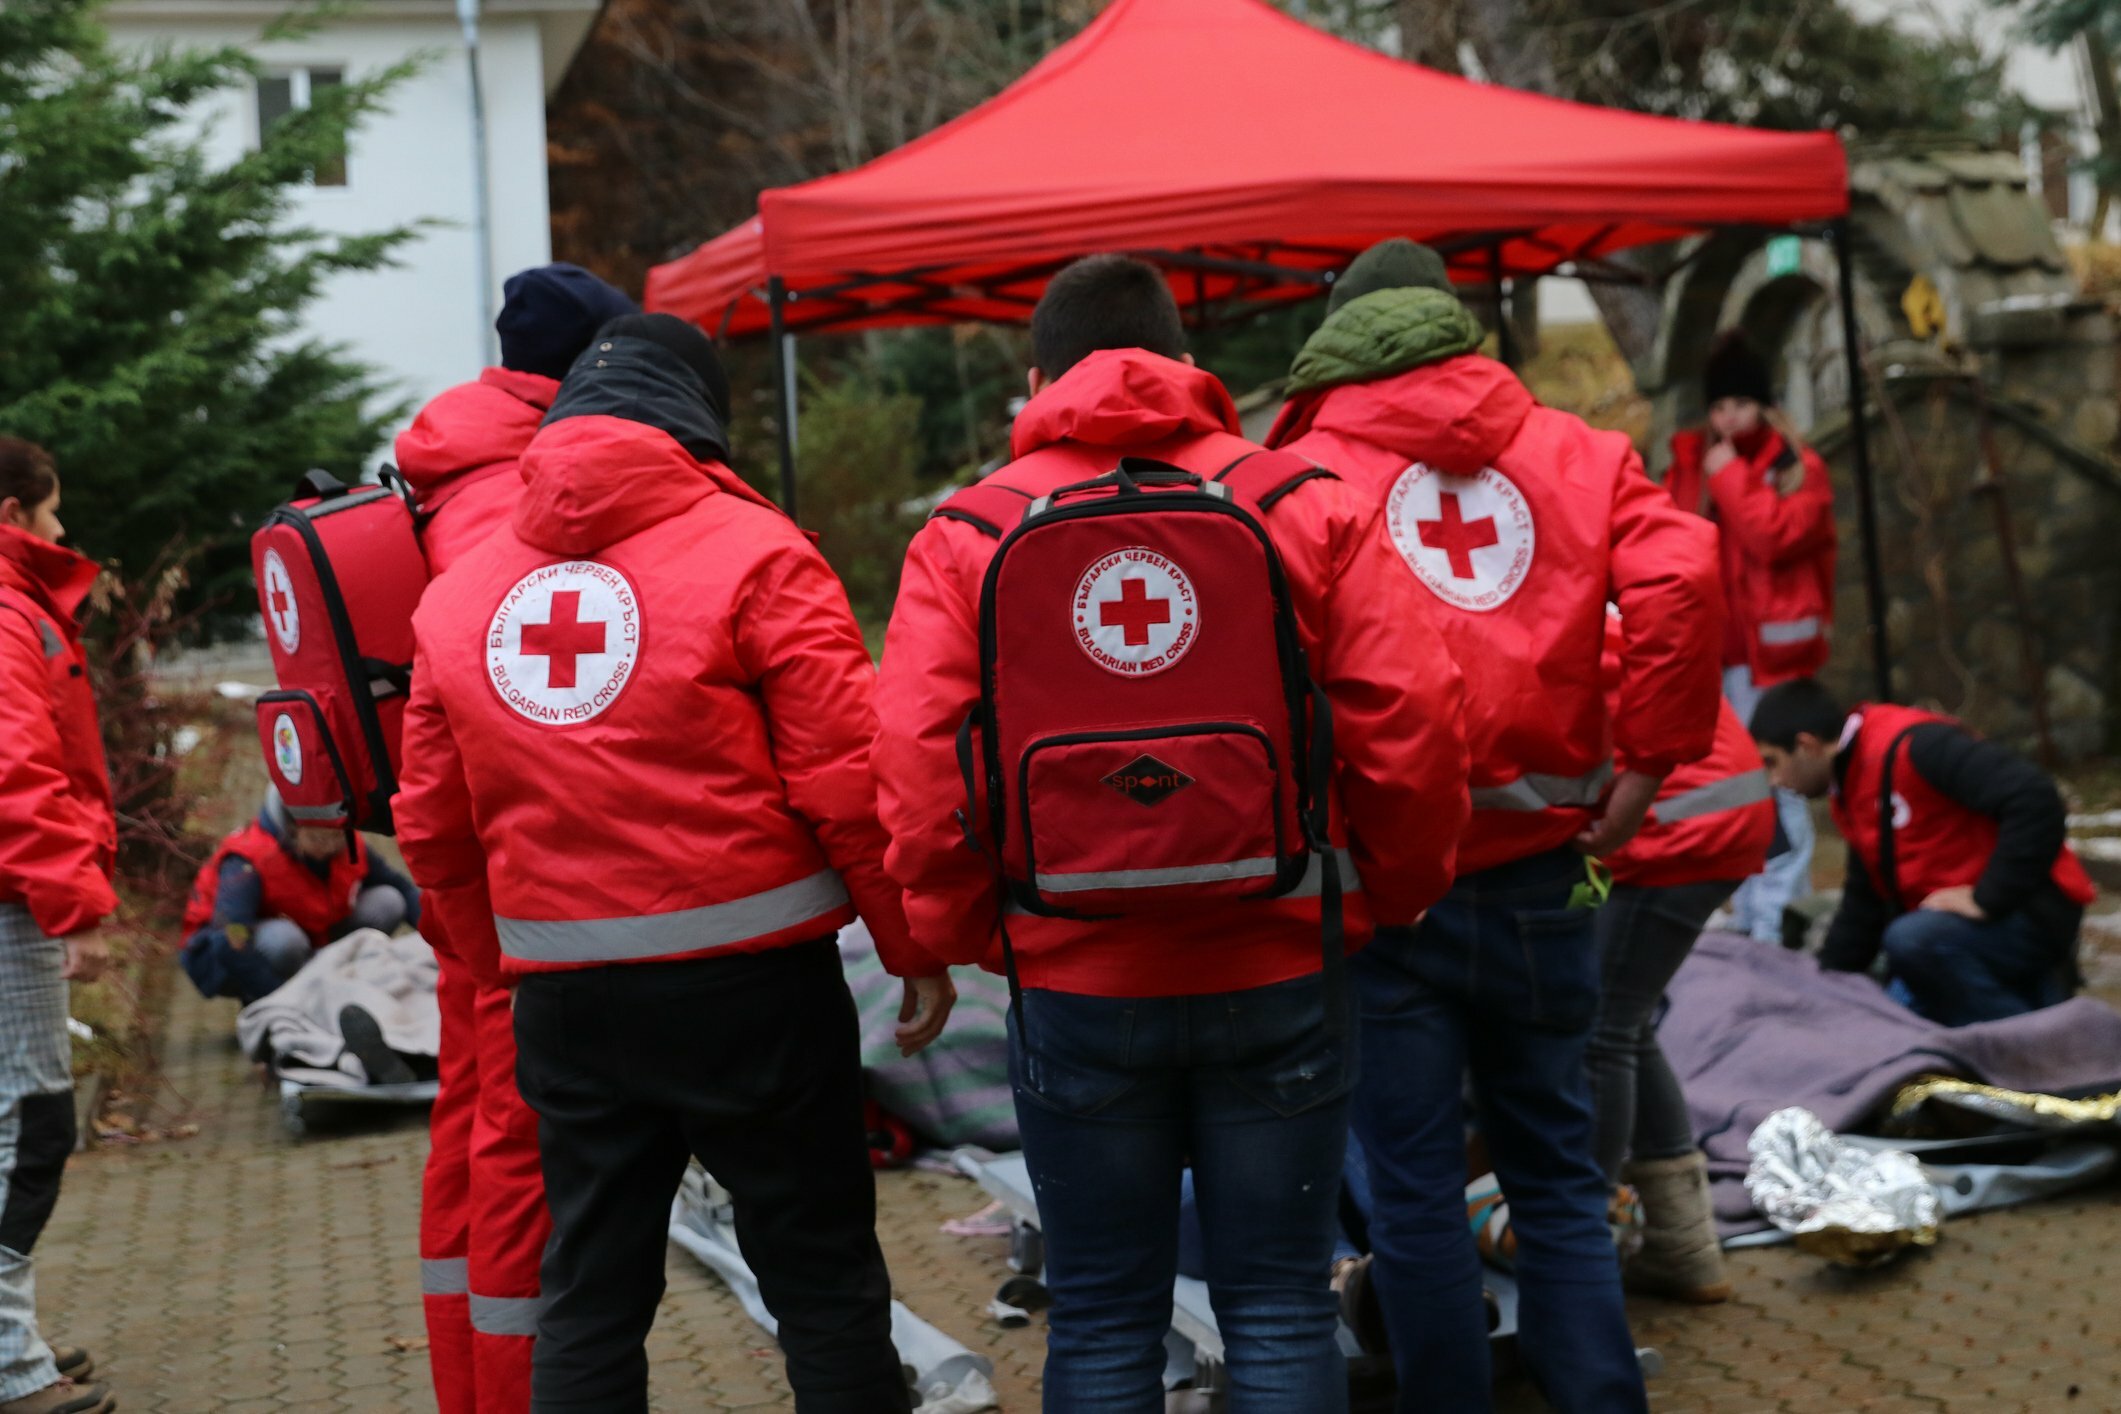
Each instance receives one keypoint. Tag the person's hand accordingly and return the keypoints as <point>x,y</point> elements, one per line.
<point>1958,899</point>
<point>87,956</point>
<point>1633,795</point>
<point>922,1014</point>
<point>1719,457</point>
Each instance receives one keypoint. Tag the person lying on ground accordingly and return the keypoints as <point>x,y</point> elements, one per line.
<point>1959,870</point>
<point>274,893</point>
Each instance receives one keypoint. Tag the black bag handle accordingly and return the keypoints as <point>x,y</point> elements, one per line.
<point>320,484</point>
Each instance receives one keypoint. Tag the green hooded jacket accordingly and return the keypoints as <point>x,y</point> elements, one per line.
<point>1382,333</point>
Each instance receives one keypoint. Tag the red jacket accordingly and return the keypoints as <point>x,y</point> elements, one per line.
<point>58,835</point>
<point>460,458</point>
<point>1401,796</point>
<point>1523,524</point>
<point>292,890</point>
<point>1937,842</point>
<point>642,717</point>
<point>1777,549</point>
<point>1714,818</point>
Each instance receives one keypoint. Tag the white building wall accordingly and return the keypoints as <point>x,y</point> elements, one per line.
<point>419,322</point>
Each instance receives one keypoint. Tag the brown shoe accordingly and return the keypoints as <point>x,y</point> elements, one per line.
<point>74,1363</point>
<point>65,1397</point>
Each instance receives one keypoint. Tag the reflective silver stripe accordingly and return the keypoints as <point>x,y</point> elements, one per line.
<point>53,644</point>
<point>1537,792</point>
<point>1730,793</point>
<point>1776,635</point>
<point>330,813</point>
<point>1310,886</point>
<point>668,934</point>
<point>506,1315</point>
<point>1153,878</point>
<point>444,1276</point>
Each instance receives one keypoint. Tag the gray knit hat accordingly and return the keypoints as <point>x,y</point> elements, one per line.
<point>1396,264</point>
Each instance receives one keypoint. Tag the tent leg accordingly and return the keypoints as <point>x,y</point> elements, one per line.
<point>784,373</point>
<point>1866,491</point>
<point>1505,340</point>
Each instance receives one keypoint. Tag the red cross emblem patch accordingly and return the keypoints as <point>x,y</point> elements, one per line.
<point>1135,612</point>
<point>564,642</point>
<point>280,609</point>
<point>1468,538</point>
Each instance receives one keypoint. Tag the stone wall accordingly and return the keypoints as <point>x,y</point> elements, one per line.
<point>2006,312</point>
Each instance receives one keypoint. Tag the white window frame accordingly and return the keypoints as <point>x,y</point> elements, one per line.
<point>299,93</point>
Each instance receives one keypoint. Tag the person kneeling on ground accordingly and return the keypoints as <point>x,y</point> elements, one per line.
<point>274,893</point>
<point>1959,866</point>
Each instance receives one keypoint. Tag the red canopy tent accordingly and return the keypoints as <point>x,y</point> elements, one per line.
<point>1248,149</point>
<point>1251,156</point>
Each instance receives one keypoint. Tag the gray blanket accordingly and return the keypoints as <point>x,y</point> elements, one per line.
<point>296,1029</point>
<point>1753,1028</point>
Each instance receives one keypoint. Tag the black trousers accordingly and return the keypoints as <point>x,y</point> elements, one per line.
<point>751,1063</point>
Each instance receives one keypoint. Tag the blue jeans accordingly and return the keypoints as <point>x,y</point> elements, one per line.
<point>1114,1095</point>
<point>1351,1237</point>
<point>1956,971</point>
<point>1501,977</point>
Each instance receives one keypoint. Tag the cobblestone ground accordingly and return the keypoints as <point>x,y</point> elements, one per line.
<point>241,1270</point>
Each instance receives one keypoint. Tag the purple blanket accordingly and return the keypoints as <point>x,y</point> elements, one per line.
<point>1753,1028</point>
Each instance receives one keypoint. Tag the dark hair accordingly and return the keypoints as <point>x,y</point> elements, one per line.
<point>1789,708</point>
<point>1104,302</point>
<point>26,472</point>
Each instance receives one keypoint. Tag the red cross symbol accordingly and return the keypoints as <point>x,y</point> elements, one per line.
<point>1134,611</point>
<point>1456,536</point>
<point>277,597</point>
<point>562,638</point>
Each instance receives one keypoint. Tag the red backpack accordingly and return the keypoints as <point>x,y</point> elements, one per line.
<point>339,573</point>
<point>1148,733</point>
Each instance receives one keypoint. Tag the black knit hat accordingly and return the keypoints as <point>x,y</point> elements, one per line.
<point>1736,370</point>
<point>549,314</point>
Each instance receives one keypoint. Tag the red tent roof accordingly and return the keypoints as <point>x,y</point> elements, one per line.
<point>1248,152</point>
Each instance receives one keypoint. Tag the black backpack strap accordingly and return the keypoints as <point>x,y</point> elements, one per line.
<point>1888,862</point>
<point>991,509</point>
<point>1264,477</point>
<point>1332,913</point>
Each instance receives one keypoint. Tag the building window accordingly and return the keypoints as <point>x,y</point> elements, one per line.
<point>286,91</point>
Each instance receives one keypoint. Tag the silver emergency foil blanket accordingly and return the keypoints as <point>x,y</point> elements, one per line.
<point>947,1378</point>
<point>1853,1206</point>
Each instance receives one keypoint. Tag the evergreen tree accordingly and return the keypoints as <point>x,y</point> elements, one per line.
<point>150,298</point>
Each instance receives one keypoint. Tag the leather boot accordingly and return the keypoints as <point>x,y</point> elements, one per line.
<point>1680,1257</point>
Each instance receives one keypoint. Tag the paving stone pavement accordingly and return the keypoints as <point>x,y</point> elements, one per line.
<point>243,1270</point>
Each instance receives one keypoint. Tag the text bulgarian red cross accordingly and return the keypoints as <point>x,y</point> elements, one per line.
<point>1456,536</point>
<point>1134,611</point>
<point>563,638</point>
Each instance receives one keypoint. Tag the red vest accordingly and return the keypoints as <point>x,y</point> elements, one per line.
<point>292,889</point>
<point>1937,843</point>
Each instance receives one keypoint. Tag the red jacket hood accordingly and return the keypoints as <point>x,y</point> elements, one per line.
<point>471,426</point>
<point>1124,398</point>
<point>593,481</point>
<point>51,573</point>
<point>1456,416</point>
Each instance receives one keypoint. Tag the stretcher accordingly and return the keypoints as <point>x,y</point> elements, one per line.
<point>1195,1345</point>
<point>303,1102</point>
<point>946,1377</point>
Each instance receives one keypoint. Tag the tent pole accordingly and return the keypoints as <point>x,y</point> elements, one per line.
<point>784,371</point>
<point>1860,439</point>
<point>1505,345</point>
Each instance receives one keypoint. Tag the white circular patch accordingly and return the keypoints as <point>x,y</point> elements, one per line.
<point>563,643</point>
<point>280,609</point>
<point>1135,612</point>
<point>1903,813</point>
<point>287,749</point>
<point>1468,538</point>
